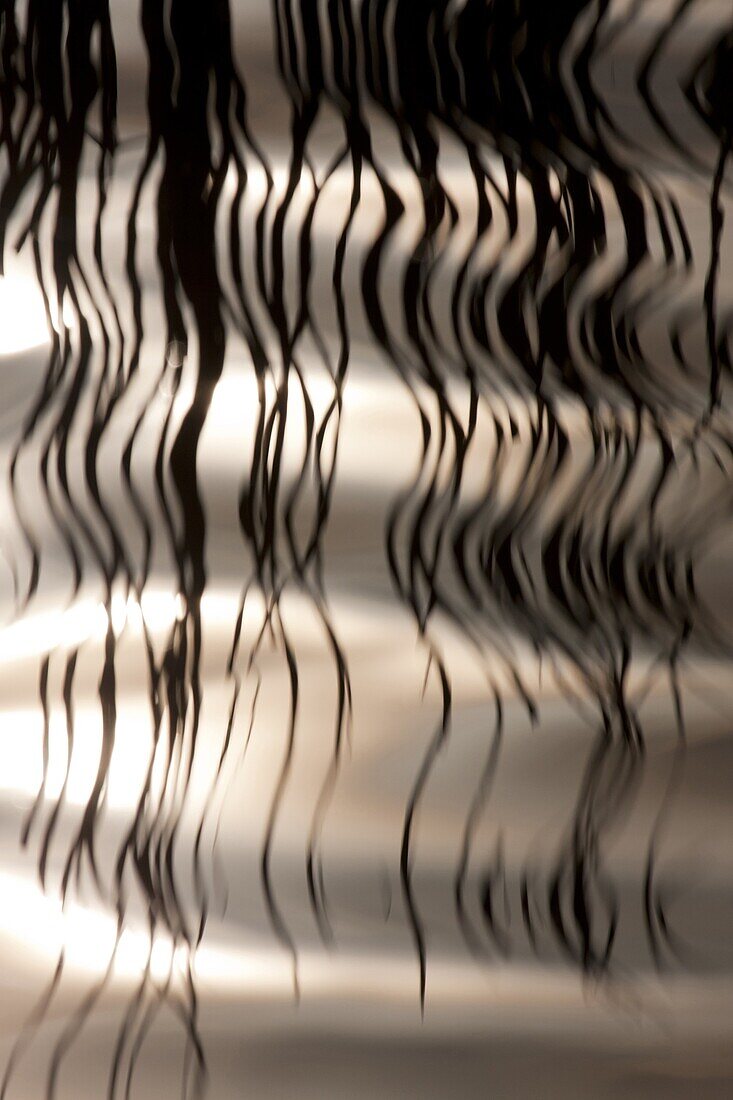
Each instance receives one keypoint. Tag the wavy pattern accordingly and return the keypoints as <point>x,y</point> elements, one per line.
<point>468,193</point>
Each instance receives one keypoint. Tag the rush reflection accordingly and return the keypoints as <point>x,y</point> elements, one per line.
<point>364,573</point>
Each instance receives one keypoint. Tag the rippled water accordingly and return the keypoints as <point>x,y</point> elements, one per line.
<point>365,580</point>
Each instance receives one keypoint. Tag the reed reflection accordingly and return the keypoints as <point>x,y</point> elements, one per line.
<point>430,378</point>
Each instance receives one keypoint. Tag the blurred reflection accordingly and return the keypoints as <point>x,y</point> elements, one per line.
<point>367,463</point>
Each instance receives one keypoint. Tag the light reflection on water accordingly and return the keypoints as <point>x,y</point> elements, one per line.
<point>365,644</point>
